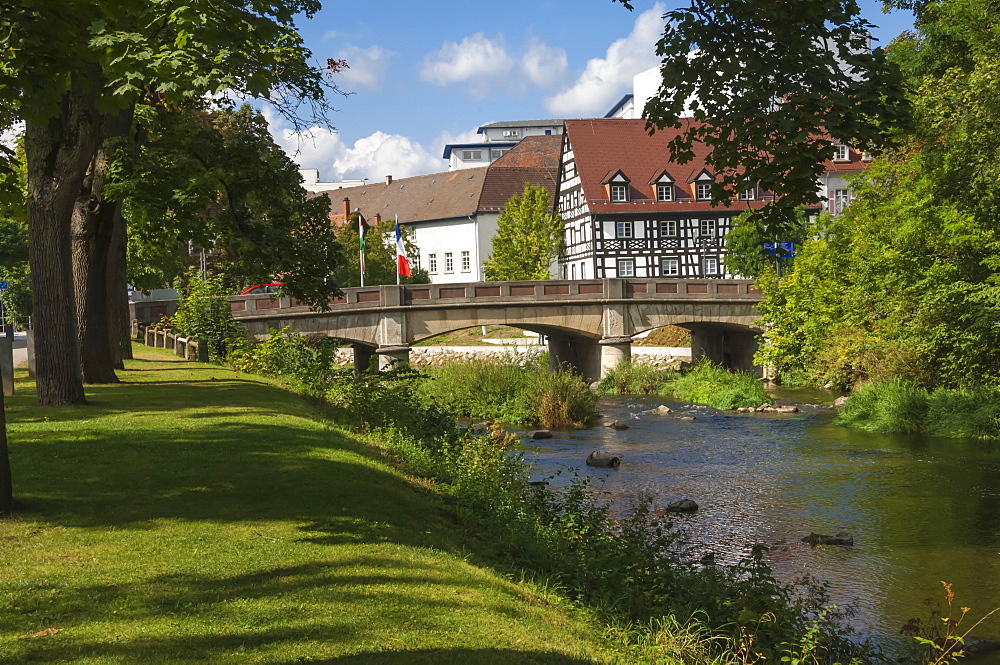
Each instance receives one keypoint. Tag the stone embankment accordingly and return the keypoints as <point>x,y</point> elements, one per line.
<point>432,356</point>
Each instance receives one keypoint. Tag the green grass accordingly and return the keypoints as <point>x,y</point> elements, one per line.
<point>193,515</point>
<point>707,383</point>
<point>630,379</point>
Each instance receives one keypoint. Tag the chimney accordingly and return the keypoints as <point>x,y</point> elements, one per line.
<point>378,218</point>
<point>388,180</point>
<point>347,209</point>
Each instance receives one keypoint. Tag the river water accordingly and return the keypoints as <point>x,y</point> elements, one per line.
<point>921,509</point>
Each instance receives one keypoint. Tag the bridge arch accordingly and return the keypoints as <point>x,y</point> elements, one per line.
<point>590,323</point>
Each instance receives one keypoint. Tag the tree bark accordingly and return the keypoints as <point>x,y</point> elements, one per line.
<point>120,326</point>
<point>94,234</point>
<point>58,150</point>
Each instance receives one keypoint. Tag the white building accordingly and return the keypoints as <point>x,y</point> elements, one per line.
<point>311,182</point>
<point>452,216</point>
<point>498,138</point>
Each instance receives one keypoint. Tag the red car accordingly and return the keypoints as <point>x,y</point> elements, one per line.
<point>274,287</point>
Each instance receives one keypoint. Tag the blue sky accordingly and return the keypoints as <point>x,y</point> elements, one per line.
<point>423,74</point>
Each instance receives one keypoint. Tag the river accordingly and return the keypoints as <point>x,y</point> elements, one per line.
<point>921,509</point>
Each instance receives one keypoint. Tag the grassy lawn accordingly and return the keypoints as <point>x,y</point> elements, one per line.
<point>190,515</point>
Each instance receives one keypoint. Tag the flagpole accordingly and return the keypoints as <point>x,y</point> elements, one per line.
<point>397,257</point>
<point>361,239</point>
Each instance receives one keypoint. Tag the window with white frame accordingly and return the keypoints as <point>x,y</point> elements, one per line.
<point>670,267</point>
<point>841,197</point>
<point>449,262</point>
<point>626,267</point>
<point>432,263</point>
<point>416,262</point>
<point>472,155</point>
<point>569,170</point>
<point>668,228</point>
<point>841,153</point>
<point>710,265</point>
<point>466,262</point>
<point>706,228</point>
<point>623,229</point>
<point>748,194</point>
<point>664,192</point>
<point>573,269</point>
<point>619,193</point>
<point>703,191</point>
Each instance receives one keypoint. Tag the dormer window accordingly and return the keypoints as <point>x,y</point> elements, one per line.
<point>748,194</point>
<point>703,191</point>
<point>663,186</point>
<point>617,184</point>
<point>841,153</point>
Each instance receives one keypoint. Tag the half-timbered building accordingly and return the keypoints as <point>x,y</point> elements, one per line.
<point>631,211</point>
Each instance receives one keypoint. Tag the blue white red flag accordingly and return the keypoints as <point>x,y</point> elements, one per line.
<point>402,263</point>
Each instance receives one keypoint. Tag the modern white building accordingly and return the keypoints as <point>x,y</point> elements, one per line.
<point>311,182</point>
<point>498,138</point>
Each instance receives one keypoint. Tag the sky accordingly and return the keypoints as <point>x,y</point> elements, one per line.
<point>424,74</point>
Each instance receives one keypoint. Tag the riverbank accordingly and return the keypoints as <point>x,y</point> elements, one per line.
<point>193,515</point>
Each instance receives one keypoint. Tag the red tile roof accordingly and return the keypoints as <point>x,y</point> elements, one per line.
<point>606,145</point>
<point>535,160</point>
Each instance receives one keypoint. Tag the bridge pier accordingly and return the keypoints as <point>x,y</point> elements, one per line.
<point>614,351</point>
<point>393,357</point>
<point>579,352</point>
<point>730,347</point>
<point>362,357</point>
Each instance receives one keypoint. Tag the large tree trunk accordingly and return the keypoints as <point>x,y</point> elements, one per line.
<point>118,316</point>
<point>58,151</point>
<point>94,221</point>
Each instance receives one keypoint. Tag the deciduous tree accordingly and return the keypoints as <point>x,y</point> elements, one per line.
<point>528,238</point>
<point>110,54</point>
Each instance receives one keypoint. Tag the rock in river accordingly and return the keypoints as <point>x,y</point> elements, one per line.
<point>839,538</point>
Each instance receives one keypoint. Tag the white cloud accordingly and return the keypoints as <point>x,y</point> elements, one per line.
<point>482,63</point>
<point>606,79</point>
<point>545,66</point>
<point>366,67</point>
<point>373,157</point>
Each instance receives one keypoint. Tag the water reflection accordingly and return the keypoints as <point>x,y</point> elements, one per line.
<point>921,509</point>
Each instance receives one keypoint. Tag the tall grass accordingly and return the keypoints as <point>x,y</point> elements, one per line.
<point>714,385</point>
<point>630,379</point>
<point>901,406</point>
<point>510,390</point>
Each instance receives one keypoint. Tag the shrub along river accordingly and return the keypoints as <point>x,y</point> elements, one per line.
<point>921,509</point>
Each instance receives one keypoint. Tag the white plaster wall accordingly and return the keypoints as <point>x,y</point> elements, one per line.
<point>465,234</point>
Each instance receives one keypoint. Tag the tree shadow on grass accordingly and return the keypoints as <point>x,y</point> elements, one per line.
<point>454,656</point>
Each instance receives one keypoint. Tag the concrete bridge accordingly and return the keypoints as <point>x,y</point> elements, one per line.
<point>589,323</point>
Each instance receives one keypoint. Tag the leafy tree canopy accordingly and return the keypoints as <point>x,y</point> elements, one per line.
<point>529,237</point>
<point>904,283</point>
<point>767,86</point>
<point>217,178</point>
<point>380,255</point>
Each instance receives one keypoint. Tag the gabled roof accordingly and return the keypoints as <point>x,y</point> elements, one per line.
<point>535,160</point>
<point>454,194</point>
<point>420,198</point>
<point>604,146</point>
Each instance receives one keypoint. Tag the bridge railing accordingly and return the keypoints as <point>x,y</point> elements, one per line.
<point>438,295</point>
<point>434,295</point>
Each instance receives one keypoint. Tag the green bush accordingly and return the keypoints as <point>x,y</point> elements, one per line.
<point>889,407</point>
<point>629,379</point>
<point>306,363</point>
<point>970,412</point>
<point>901,406</point>
<point>203,313</point>
<point>716,386</point>
<point>510,390</point>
